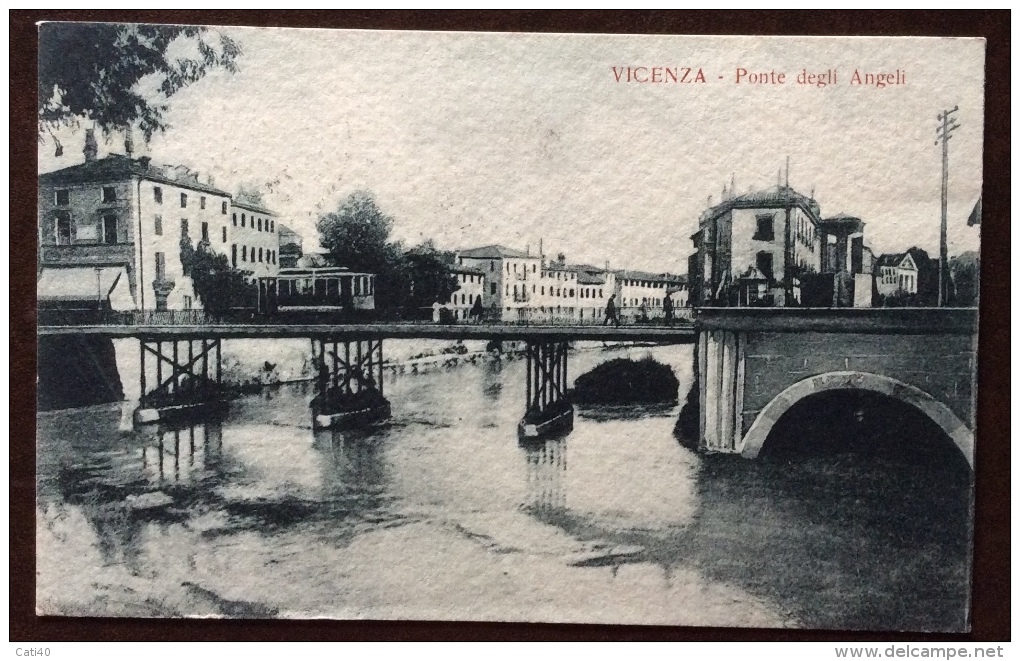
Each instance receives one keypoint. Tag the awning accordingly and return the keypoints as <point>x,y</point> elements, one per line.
<point>86,284</point>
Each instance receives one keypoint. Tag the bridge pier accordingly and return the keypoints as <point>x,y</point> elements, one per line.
<point>549,412</point>
<point>180,378</point>
<point>349,382</point>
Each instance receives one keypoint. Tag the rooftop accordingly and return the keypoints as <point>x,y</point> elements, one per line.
<point>251,207</point>
<point>774,197</point>
<point>495,251</point>
<point>653,277</point>
<point>117,167</point>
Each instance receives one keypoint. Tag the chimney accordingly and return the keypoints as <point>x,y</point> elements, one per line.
<point>91,149</point>
<point>527,250</point>
<point>607,264</point>
<point>145,161</point>
<point>129,143</point>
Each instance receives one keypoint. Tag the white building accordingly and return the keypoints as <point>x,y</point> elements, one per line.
<point>120,221</point>
<point>111,231</point>
<point>471,288</point>
<point>511,279</point>
<point>640,294</point>
<point>254,240</point>
<point>896,274</point>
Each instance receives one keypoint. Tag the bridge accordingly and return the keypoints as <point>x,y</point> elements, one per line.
<point>751,364</point>
<point>754,364</point>
<point>180,366</point>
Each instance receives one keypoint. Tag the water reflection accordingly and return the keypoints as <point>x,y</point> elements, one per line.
<point>545,475</point>
<point>162,448</point>
<point>355,475</point>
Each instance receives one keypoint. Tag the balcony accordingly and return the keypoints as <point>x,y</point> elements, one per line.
<point>87,255</point>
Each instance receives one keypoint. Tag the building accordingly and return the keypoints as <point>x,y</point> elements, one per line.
<point>111,232</point>
<point>511,279</point>
<point>471,288</point>
<point>642,295</point>
<point>896,275</point>
<point>291,247</point>
<point>773,248</point>
<point>254,240</point>
<point>119,222</point>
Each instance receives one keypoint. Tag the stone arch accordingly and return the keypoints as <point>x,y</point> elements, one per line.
<point>939,413</point>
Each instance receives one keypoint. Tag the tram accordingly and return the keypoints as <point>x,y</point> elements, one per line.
<point>327,290</point>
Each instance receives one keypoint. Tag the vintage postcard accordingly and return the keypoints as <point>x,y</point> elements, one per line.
<point>507,327</point>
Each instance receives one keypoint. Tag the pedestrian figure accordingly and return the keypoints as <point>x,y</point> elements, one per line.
<point>667,308</point>
<point>611,312</point>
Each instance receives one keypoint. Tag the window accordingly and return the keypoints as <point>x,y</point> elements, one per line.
<point>764,263</point>
<point>492,288</point>
<point>223,208</point>
<point>63,228</point>
<point>187,302</point>
<point>109,194</point>
<point>543,290</point>
<point>765,229</point>
<point>224,234</point>
<point>201,202</point>
<point>184,200</point>
<point>62,198</point>
<point>242,220</point>
<point>184,227</point>
<point>160,266</point>
<point>157,225</point>
<point>244,253</point>
<point>235,218</point>
<point>157,194</point>
<point>260,224</point>
<point>233,255</point>
<point>205,232</point>
<point>110,229</point>
<point>272,226</point>
<point>260,254</point>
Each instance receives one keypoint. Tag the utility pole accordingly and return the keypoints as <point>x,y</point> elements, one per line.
<point>947,125</point>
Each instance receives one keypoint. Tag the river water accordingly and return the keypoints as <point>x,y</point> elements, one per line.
<point>441,514</point>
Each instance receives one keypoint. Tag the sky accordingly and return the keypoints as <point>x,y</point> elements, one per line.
<point>479,138</point>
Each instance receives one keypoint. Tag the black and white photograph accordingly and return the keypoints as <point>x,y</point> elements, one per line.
<point>507,327</point>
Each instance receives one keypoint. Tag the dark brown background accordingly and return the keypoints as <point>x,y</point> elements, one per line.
<point>991,602</point>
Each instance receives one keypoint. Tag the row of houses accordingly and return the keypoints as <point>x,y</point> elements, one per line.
<point>111,229</point>
<point>516,285</point>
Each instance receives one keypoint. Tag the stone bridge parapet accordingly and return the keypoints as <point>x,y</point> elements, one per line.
<point>755,363</point>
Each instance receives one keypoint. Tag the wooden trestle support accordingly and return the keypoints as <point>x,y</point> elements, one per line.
<point>188,378</point>
<point>349,382</point>
<point>549,412</point>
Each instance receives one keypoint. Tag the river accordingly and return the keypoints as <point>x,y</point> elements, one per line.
<point>441,514</point>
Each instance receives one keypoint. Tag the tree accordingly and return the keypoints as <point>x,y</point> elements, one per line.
<point>217,285</point>
<point>96,72</point>
<point>430,275</point>
<point>356,236</point>
<point>966,277</point>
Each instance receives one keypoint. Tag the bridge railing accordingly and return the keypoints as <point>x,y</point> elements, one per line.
<point>627,316</point>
